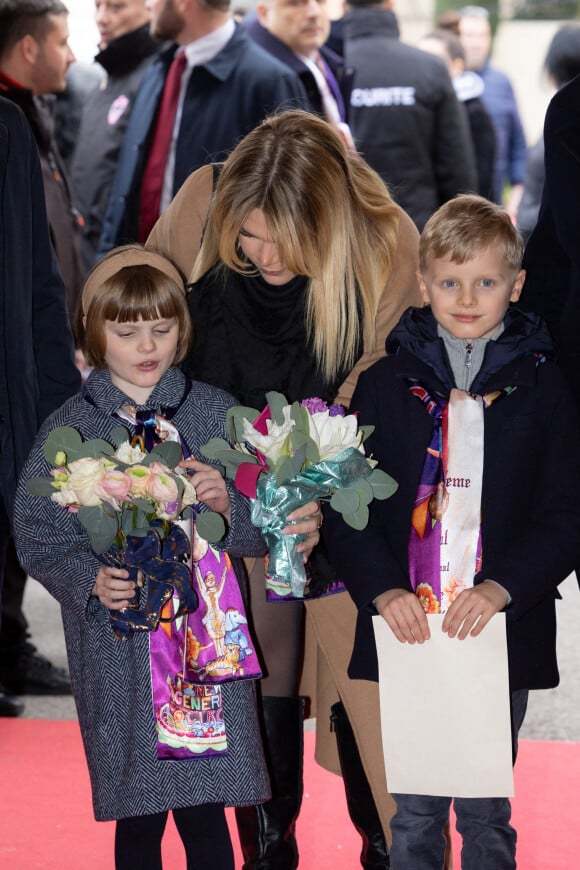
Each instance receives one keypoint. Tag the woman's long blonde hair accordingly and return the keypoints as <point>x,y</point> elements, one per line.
<point>331,216</point>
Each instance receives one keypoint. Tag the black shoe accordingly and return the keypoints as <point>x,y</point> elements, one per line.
<point>30,673</point>
<point>10,706</point>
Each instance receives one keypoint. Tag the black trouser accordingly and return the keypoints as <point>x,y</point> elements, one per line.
<point>14,627</point>
<point>4,536</point>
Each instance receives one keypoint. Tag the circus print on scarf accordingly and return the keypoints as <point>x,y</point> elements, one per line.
<point>194,654</point>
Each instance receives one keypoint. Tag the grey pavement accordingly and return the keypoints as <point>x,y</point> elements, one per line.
<point>552,714</point>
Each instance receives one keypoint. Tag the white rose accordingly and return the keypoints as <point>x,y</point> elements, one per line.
<point>129,455</point>
<point>274,444</point>
<point>189,494</point>
<point>334,434</point>
<point>64,497</point>
<point>85,474</point>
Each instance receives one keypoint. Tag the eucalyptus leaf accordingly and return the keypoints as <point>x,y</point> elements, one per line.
<point>168,452</point>
<point>366,431</point>
<point>214,447</point>
<point>141,520</point>
<point>65,440</point>
<point>299,440</point>
<point>218,450</point>
<point>289,466</point>
<point>42,486</point>
<point>384,486</point>
<point>139,532</point>
<point>128,520</point>
<point>143,505</point>
<point>301,417</point>
<point>101,542</point>
<point>276,402</point>
<point>235,422</point>
<point>119,435</point>
<point>210,526</point>
<point>364,490</point>
<point>346,501</point>
<point>96,448</point>
<point>101,527</point>
<point>359,519</point>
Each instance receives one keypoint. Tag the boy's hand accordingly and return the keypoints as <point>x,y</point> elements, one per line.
<point>210,486</point>
<point>473,608</point>
<point>403,613</point>
<point>306,520</point>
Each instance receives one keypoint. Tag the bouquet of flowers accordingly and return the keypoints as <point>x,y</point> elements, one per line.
<point>289,455</point>
<point>129,503</point>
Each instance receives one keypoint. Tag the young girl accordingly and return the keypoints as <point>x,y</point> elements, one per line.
<point>136,328</point>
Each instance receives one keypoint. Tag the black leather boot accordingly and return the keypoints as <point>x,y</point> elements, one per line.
<point>359,798</point>
<point>267,831</point>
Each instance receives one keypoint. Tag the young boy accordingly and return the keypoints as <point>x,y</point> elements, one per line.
<point>472,418</point>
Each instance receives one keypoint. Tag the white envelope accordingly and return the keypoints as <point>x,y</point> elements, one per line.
<point>445,712</point>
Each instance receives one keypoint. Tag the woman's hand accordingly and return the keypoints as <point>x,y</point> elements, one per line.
<point>306,520</point>
<point>113,589</point>
<point>404,614</point>
<point>210,486</point>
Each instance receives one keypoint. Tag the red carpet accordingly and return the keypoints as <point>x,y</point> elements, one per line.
<point>46,816</point>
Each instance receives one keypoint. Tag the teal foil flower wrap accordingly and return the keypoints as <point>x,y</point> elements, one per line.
<point>289,455</point>
<point>285,574</point>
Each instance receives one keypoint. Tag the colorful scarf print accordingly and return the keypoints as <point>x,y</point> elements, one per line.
<point>445,536</point>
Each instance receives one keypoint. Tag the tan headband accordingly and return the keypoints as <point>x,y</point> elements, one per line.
<point>120,258</point>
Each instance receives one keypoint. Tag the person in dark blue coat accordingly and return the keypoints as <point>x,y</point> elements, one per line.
<point>470,358</point>
<point>38,372</point>
<point>295,34</point>
<point>228,86</point>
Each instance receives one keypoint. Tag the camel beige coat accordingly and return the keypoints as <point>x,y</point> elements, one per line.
<point>330,621</point>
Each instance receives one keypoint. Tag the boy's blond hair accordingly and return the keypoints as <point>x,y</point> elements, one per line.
<point>466,225</point>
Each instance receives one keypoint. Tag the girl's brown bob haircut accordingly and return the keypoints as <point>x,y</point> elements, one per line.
<point>135,292</point>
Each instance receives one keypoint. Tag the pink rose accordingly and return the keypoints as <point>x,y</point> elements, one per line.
<point>139,475</point>
<point>114,487</point>
<point>161,486</point>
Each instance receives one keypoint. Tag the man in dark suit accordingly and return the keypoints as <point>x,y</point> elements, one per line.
<point>227,86</point>
<point>295,33</point>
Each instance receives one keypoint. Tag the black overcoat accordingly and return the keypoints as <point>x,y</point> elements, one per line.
<point>37,371</point>
<point>552,255</point>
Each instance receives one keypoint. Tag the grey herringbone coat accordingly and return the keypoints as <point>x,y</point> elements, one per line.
<point>111,678</point>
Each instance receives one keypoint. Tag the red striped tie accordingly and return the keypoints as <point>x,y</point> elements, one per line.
<point>152,183</point>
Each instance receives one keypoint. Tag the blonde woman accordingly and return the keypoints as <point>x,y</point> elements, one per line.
<point>300,262</point>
